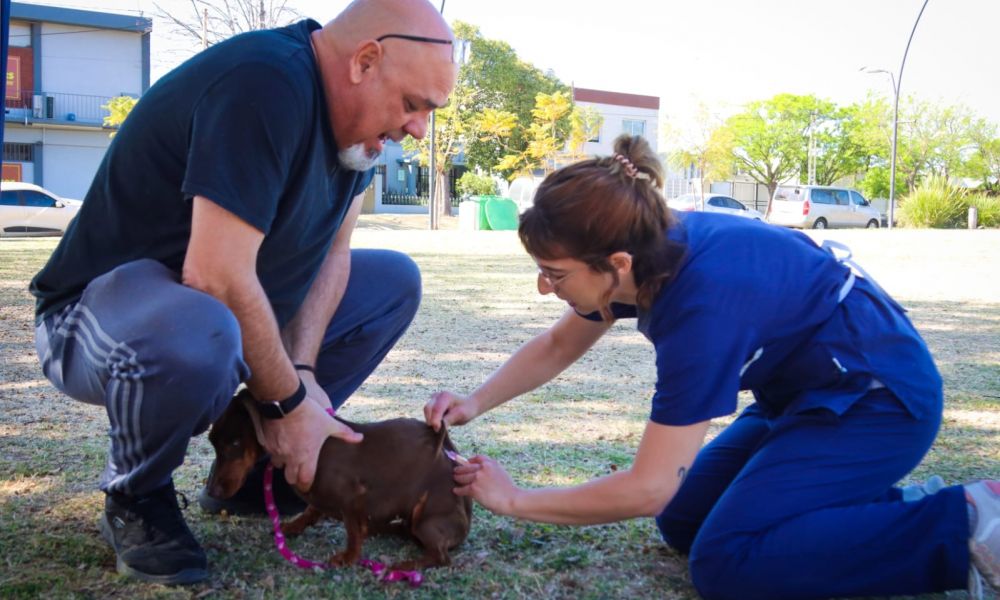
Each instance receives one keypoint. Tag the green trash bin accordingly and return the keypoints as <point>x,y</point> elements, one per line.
<point>481,218</point>
<point>501,213</point>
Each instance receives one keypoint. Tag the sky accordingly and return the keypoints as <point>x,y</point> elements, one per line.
<point>717,53</point>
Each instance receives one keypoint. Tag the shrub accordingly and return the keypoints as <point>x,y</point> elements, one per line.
<point>989,209</point>
<point>935,203</point>
<point>473,184</point>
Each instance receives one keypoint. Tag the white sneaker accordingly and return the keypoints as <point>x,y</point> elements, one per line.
<point>984,544</point>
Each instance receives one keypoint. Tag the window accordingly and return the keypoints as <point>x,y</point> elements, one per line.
<point>33,198</point>
<point>858,199</point>
<point>822,197</point>
<point>8,198</point>
<point>14,152</point>
<point>841,197</point>
<point>633,127</point>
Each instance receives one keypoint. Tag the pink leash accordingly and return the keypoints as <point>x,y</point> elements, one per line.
<point>414,578</point>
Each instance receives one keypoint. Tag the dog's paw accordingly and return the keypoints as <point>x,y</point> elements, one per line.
<point>293,529</point>
<point>342,559</point>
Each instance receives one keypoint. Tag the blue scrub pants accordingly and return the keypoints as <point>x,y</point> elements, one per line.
<point>165,359</point>
<point>802,506</point>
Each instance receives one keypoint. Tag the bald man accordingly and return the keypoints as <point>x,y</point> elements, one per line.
<point>212,250</point>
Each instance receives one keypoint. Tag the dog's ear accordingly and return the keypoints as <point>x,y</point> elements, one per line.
<point>251,405</point>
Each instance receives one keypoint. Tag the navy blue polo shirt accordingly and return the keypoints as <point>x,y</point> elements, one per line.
<point>245,124</point>
<point>757,307</point>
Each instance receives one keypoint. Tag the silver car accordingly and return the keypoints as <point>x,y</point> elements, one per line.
<point>716,203</point>
<point>820,207</point>
<point>29,210</point>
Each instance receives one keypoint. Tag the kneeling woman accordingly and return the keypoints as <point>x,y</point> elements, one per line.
<point>795,499</point>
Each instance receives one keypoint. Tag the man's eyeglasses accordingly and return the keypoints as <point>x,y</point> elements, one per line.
<point>459,48</point>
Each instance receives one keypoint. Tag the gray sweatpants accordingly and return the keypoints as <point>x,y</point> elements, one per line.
<point>164,359</point>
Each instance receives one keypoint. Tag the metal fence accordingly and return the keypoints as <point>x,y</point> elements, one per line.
<point>397,199</point>
<point>53,106</point>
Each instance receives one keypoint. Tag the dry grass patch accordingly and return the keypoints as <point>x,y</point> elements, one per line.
<point>479,305</point>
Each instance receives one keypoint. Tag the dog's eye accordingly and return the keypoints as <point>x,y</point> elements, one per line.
<point>236,444</point>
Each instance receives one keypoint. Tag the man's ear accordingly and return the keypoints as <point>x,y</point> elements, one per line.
<point>367,57</point>
<point>621,261</point>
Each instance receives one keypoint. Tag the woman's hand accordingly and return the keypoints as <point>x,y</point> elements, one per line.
<point>450,409</point>
<point>487,483</point>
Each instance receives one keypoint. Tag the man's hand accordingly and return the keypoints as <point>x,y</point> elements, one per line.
<point>449,408</point>
<point>313,389</point>
<point>294,442</point>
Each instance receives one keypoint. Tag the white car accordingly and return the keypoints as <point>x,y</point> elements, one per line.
<point>28,210</point>
<point>821,207</point>
<point>716,203</point>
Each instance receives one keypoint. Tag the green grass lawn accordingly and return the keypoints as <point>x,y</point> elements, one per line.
<point>479,305</point>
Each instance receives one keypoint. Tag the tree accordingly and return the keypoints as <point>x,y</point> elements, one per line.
<point>119,108</point>
<point>931,140</point>
<point>454,127</point>
<point>553,137</point>
<point>984,164</point>
<point>507,86</point>
<point>708,146</point>
<point>212,21</point>
<point>770,137</point>
<point>474,184</point>
<point>491,83</point>
<point>584,125</point>
<point>839,143</point>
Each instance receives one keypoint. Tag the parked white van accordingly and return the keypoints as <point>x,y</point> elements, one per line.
<point>820,207</point>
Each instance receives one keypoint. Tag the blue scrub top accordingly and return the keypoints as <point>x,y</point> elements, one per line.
<point>757,307</point>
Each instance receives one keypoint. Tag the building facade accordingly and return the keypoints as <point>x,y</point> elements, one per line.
<point>633,114</point>
<point>64,66</point>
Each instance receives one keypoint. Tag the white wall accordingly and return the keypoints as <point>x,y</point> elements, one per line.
<point>70,160</point>
<point>612,126</point>
<point>20,35</point>
<point>70,157</point>
<point>96,63</point>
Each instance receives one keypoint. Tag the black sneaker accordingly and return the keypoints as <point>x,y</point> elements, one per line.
<point>151,539</point>
<point>248,501</point>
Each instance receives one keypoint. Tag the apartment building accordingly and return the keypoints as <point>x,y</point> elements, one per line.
<point>633,114</point>
<point>64,65</point>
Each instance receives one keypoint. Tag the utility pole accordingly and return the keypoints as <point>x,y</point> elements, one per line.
<point>204,28</point>
<point>263,16</point>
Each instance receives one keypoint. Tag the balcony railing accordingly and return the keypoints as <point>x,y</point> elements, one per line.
<point>50,107</point>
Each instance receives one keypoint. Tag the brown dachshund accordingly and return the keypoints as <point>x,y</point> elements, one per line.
<point>396,480</point>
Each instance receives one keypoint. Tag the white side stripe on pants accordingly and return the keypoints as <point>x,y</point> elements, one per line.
<point>124,387</point>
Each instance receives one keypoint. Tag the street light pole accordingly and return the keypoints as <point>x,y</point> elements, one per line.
<point>432,184</point>
<point>897,83</point>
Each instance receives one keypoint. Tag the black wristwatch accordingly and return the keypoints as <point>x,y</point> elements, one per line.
<point>278,410</point>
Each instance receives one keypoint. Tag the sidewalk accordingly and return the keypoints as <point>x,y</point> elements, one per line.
<point>402,222</point>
